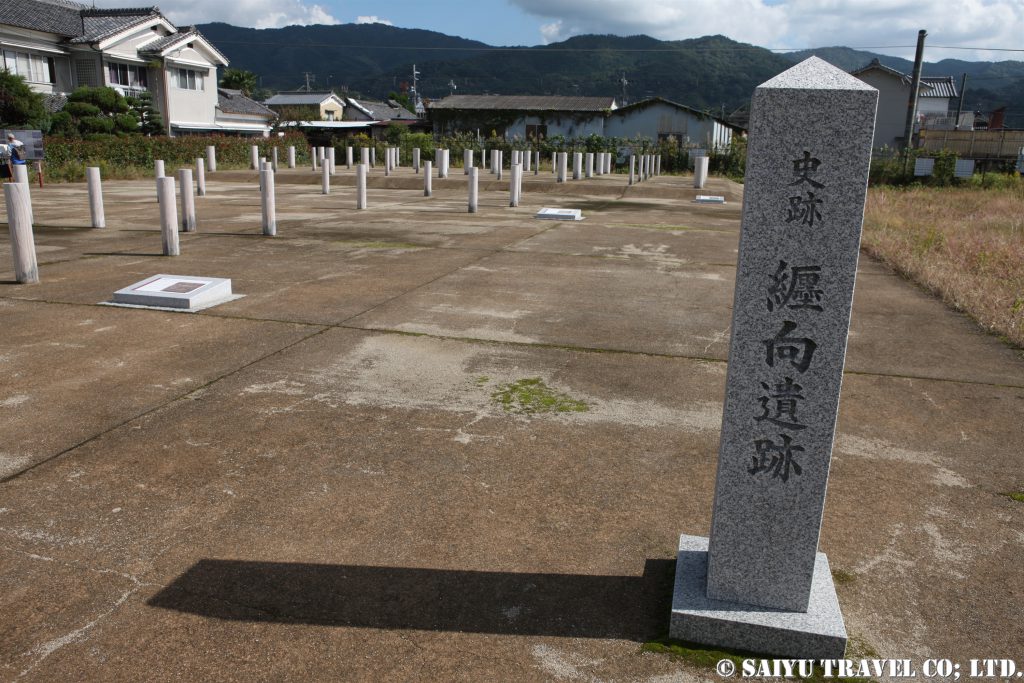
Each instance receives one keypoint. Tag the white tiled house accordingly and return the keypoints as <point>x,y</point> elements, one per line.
<point>58,45</point>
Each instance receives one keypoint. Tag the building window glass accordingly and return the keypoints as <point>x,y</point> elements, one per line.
<point>188,79</point>
<point>127,75</point>
<point>536,132</point>
<point>34,68</point>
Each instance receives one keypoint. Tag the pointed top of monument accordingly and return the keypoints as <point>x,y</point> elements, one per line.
<point>815,73</point>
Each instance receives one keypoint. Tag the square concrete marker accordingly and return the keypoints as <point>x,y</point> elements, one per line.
<point>803,208</point>
<point>560,214</point>
<point>184,292</point>
<point>709,199</point>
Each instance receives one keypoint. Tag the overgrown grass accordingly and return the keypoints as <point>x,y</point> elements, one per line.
<point>966,245</point>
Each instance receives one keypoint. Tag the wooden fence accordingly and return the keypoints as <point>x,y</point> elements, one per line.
<point>974,144</point>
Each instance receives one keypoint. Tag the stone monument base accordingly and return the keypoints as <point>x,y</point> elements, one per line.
<point>818,633</point>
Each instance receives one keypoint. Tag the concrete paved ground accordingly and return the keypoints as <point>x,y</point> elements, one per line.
<point>316,481</point>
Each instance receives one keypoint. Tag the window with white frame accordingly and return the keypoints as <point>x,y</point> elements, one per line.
<point>34,68</point>
<point>127,75</point>
<point>189,79</point>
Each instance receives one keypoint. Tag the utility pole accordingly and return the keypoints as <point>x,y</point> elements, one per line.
<point>623,82</point>
<point>960,106</point>
<point>915,85</point>
<point>310,78</point>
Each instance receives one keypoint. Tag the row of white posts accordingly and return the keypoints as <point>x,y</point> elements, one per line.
<point>643,167</point>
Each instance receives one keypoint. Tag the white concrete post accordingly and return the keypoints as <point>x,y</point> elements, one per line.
<point>373,156</point>
<point>291,156</point>
<point>501,163</point>
<point>474,188</point>
<point>313,159</point>
<point>254,157</point>
<point>168,216</point>
<point>513,189</point>
<point>361,171</point>
<point>657,165</point>
<point>536,162</point>
<point>348,157</point>
<point>632,168</point>
<point>492,167</point>
<point>95,185</point>
<point>268,203</point>
<point>273,159</point>
<point>444,163</point>
<point>563,162</point>
<point>325,177</point>
<point>158,173</point>
<point>577,165</point>
<point>467,161</point>
<point>364,156</point>
<point>19,223</point>
<point>415,159</point>
<point>211,158</point>
<point>590,165</point>
<point>387,161</point>
<point>330,158</point>
<point>427,187</point>
<point>526,160</point>
<point>188,200</point>
<point>700,172</point>
<point>200,177</point>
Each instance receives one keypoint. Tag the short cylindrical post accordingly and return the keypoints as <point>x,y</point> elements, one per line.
<point>254,157</point>
<point>291,156</point>
<point>364,157</point>
<point>158,173</point>
<point>361,171</point>
<point>474,188</point>
<point>313,160</point>
<point>563,163</point>
<point>527,155</point>
<point>188,200</point>
<point>657,165</point>
<point>211,158</point>
<point>387,161</point>
<point>19,222</point>
<point>373,156</point>
<point>590,165</point>
<point>467,161</point>
<point>95,184</point>
<point>168,216</point>
<point>268,203</point>
<point>325,177</point>
<point>427,186</point>
<point>415,159</point>
<point>493,166</point>
<point>273,159</point>
<point>700,172</point>
<point>536,162</point>
<point>501,163</point>
<point>513,189</point>
<point>348,157</point>
<point>632,168</point>
<point>444,163</point>
<point>577,165</point>
<point>331,158</point>
<point>200,177</point>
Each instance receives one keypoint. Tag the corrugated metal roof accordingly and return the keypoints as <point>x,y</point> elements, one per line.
<point>299,98</point>
<point>525,103</point>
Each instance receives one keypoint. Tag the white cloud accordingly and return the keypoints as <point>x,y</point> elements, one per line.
<point>255,13</point>
<point>872,24</point>
<point>373,19</point>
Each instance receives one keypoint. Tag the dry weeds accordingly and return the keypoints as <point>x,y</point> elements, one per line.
<point>964,245</point>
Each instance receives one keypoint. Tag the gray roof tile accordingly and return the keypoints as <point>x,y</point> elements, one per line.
<point>234,102</point>
<point>525,103</point>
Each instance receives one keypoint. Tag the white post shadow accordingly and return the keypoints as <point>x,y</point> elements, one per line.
<point>467,161</point>
<point>268,203</point>
<point>19,225</point>
<point>188,200</point>
<point>200,177</point>
<point>590,165</point>
<point>428,188</point>
<point>95,185</point>
<point>474,189</point>
<point>361,172</point>
<point>514,186</point>
<point>273,158</point>
<point>348,157</point>
<point>415,159</point>
<point>632,169</point>
<point>211,158</point>
<point>168,216</point>
<point>577,165</point>
<point>254,157</point>
<point>700,172</point>
<point>331,158</point>
<point>291,156</point>
<point>325,178</point>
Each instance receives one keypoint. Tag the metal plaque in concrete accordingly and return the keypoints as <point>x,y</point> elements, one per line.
<point>803,207</point>
<point>186,292</point>
<point>560,214</point>
<point>709,199</point>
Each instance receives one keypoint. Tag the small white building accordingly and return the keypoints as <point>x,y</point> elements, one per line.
<point>523,117</point>
<point>659,120</point>
<point>59,45</point>
<point>936,98</point>
<point>313,106</point>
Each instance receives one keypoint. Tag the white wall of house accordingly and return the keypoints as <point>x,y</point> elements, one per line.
<point>659,120</point>
<point>196,102</point>
<point>29,53</point>
<point>891,118</point>
<point>566,124</point>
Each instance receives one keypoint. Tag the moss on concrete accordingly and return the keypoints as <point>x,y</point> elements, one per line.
<point>531,396</point>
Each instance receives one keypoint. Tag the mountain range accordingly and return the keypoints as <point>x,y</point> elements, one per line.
<point>713,73</point>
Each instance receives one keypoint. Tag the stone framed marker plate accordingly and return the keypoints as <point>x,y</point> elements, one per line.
<point>709,199</point>
<point>547,214</point>
<point>180,292</point>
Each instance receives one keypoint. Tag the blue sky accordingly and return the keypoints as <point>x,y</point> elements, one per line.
<point>886,26</point>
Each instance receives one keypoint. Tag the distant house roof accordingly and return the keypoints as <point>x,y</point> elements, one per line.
<point>74,21</point>
<point>189,34</point>
<point>302,98</point>
<point>382,111</point>
<point>234,102</point>
<point>643,104</point>
<point>931,86</point>
<point>525,103</point>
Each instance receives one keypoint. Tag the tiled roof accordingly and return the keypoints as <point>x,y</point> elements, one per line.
<point>54,101</point>
<point>234,102</point>
<point>525,103</point>
<point>159,45</point>
<point>932,86</point>
<point>383,111</point>
<point>49,16</point>
<point>98,24</point>
<point>188,32</point>
<point>299,98</point>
